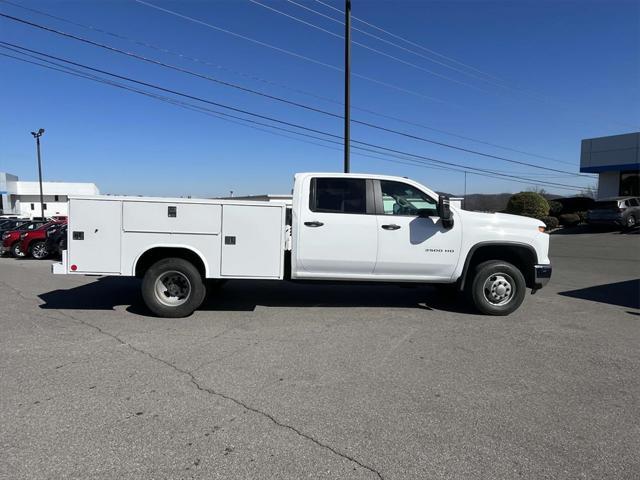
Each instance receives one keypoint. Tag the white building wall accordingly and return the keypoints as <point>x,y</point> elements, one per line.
<point>23,198</point>
<point>29,205</point>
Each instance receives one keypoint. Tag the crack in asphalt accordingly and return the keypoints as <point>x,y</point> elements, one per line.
<point>16,291</point>
<point>211,391</point>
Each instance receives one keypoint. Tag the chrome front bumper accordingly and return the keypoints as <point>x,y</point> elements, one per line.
<point>542,275</point>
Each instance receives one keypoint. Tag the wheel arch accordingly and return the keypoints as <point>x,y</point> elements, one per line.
<point>158,252</point>
<point>521,255</point>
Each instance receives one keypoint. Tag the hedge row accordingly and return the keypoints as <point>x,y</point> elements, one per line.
<point>532,204</point>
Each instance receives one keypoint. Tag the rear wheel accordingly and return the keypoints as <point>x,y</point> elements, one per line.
<point>498,288</point>
<point>39,250</point>
<point>173,288</point>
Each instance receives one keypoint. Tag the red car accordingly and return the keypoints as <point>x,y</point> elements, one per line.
<point>34,243</point>
<point>11,238</point>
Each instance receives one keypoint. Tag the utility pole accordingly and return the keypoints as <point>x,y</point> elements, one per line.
<point>37,136</point>
<point>347,84</point>
<point>464,198</point>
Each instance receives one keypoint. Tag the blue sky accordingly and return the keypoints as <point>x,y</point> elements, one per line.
<point>570,70</point>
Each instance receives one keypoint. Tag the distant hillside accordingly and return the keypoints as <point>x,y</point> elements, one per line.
<point>491,202</point>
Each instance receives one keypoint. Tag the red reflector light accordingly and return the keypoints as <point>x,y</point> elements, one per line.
<point>74,268</point>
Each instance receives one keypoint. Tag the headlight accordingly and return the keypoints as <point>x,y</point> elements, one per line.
<point>5,236</point>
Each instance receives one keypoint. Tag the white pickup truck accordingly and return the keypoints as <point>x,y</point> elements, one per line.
<point>338,227</point>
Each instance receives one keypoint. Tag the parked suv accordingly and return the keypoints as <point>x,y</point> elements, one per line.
<point>617,211</point>
<point>11,238</point>
<point>11,224</point>
<point>34,243</point>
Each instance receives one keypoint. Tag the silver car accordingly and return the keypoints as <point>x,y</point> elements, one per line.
<point>617,211</point>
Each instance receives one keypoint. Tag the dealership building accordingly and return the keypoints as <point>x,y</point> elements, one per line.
<point>616,160</point>
<point>23,198</point>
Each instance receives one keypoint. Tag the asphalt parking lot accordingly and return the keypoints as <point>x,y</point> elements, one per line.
<point>285,381</point>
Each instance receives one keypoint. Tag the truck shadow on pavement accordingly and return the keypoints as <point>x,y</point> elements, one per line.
<point>625,294</point>
<point>106,293</point>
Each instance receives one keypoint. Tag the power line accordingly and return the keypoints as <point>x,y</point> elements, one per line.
<point>370,79</point>
<point>377,37</point>
<point>289,52</point>
<point>280,99</point>
<point>223,116</point>
<point>398,37</point>
<point>283,122</point>
<point>367,47</point>
<point>532,94</point>
<point>282,86</point>
<point>247,123</point>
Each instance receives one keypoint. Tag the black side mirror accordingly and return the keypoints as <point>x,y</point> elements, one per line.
<point>444,212</point>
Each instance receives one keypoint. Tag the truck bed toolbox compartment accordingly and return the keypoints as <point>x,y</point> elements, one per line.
<point>253,241</point>
<point>94,236</point>
<point>167,217</point>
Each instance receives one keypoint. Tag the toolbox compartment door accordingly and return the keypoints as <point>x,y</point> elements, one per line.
<point>165,217</point>
<point>252,241</point>
<point>94,235</point>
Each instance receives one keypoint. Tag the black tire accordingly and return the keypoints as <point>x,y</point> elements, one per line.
<point>501,282</point>
<point>15,250</point>
<point>631,221</point>
<point>165,286</point>
<point>39,250</point>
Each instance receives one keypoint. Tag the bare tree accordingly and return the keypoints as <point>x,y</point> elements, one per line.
<point>590,192</point>
<point>539,190</point>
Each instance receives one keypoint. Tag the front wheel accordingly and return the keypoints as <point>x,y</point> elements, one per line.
<point>173,288</point>
<point>16,251</point>
<point>498,288</point>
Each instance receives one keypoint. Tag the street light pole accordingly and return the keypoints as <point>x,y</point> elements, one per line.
<point>347,84</point>
<point>37,136</point>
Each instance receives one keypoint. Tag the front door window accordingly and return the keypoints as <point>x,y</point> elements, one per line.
<point>402,199</point>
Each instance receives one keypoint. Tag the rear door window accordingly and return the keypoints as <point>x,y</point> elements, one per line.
<point>338,195</point>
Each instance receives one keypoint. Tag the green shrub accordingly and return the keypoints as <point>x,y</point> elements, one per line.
<point>555,208</point>
<point>528,204</point>
<point>550,222</point>
<point>569,219</point>
<point>583,216</point>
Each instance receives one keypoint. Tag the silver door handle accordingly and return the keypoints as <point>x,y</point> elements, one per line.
<point>393,226</point>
